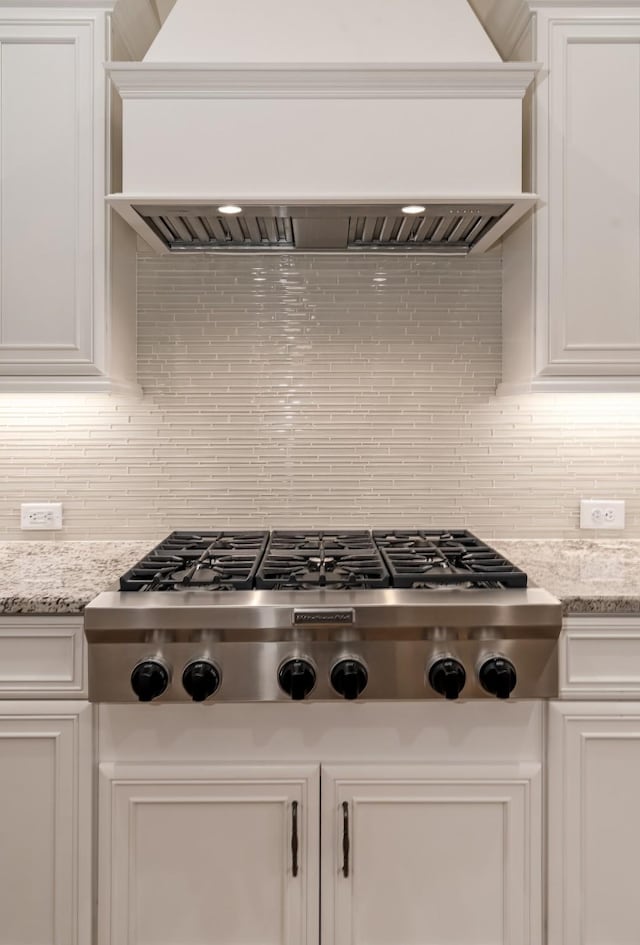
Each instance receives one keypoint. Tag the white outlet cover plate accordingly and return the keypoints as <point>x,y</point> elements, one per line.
<point>41,516</point>
<point>601,513</point>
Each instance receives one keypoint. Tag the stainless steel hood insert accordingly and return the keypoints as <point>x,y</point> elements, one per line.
<point>441,228</point>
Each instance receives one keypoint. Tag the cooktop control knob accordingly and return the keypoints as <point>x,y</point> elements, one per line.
<point>297,678</point>
<point>149,680</point>
<point>447,676</point>
<point>498,677</point>
<point>349,678</point>
<point>200,679</point>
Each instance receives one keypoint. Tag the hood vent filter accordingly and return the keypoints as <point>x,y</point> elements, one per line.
<point>439,229</point>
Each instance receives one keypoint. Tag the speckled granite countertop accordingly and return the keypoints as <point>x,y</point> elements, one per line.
<point>601,577</point>
<point>590,577</point>
<point>45,577</point>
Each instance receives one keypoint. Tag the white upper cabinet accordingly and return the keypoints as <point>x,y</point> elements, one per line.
<point>571,271</point>
<point>64,323</point>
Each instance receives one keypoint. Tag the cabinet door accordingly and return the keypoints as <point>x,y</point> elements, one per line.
<point>418,855</point>
<point>47,131</point>
<point>45,823</point>
<point>593,289</point>
<point>594,823</point>
<point>217,855</point>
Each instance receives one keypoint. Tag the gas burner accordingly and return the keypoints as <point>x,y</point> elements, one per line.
<point>216,584</point>
<point>434,586</point>
<point>419,560</point>
<point>340,580</point>
<point>323,561</point>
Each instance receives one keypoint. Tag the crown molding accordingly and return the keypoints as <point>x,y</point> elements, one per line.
<point>485,80</point>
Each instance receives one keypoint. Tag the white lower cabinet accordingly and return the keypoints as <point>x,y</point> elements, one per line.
<point>221,855</point>
<point>594,823</point>
<point>45,823</point>
<point>418,855</point>
<point>411,855</point>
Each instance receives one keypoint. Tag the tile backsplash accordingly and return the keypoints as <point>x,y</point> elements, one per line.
<point>315,390</point>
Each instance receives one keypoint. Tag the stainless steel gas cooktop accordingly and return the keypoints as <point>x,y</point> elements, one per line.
<point>250,616</point>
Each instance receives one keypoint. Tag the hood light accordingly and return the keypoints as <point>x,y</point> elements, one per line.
<point>229,208</point>
<point>413,209</point>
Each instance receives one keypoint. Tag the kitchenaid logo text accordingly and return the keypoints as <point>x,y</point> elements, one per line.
<point>323,616</point>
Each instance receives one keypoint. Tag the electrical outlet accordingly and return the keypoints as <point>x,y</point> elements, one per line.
<point>43,516</point>
<point>601,513</point>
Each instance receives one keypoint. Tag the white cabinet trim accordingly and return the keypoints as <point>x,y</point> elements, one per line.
<point>146,80</point>
<point>42,657</point>
<point>599,657</point>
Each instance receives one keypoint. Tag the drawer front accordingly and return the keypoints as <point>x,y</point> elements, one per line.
<point>42,656</point>
<point>600,657</point>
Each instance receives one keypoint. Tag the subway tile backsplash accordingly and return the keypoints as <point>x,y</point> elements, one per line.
<point>318,390</point>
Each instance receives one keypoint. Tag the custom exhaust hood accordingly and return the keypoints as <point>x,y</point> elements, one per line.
<point>333,125</point>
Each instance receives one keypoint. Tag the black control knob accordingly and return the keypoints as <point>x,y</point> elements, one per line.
<point>447,676</point>
<point>349,678</point>
<point>498,677</point>
<point>297,678</point>
<point>149,680</point>
<point>200,679</point>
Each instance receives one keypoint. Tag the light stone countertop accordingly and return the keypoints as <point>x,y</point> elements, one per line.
<point>589,576</point>
<point>37,577</point>
<point>46,577</point>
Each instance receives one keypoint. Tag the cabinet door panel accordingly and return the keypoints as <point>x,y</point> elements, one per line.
<point>190,856</point>
<point>437,856</point>
<point>594,197</point>
<point>45,824</point>
<point>46,196</point>
<point>594,838</point>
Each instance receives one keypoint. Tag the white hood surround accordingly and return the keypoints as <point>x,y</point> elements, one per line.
<point>322,120</point>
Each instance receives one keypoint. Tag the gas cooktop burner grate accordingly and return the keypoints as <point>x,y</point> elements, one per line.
<point>331,559</point>
<point>335,572</point>
<point>435,558</point>
<point>327,541</point>
<point>203,561</point>
<point>336,560</point>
